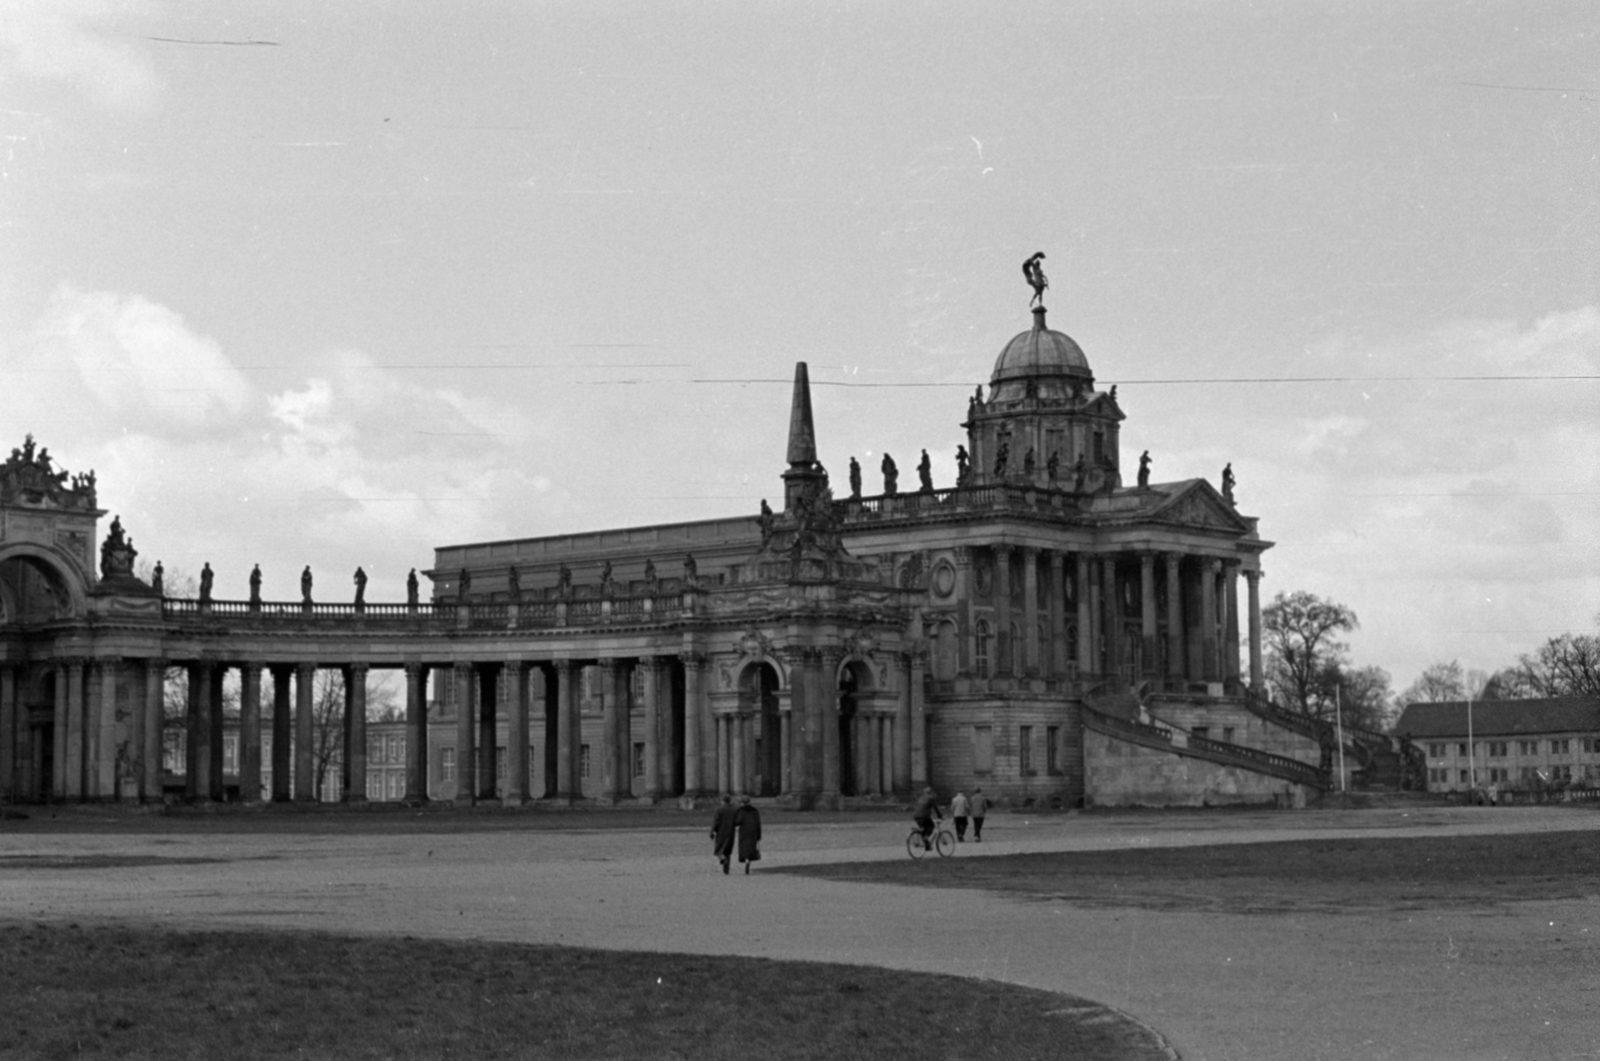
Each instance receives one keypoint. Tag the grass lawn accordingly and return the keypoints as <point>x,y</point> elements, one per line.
<point>73,991</point>
<point>1276,877</point>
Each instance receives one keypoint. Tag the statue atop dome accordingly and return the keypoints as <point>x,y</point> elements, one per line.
<point>1033,272</point>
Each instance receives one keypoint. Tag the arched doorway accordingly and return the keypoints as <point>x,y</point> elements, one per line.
<point>758,703</point>
<point>854,682</point>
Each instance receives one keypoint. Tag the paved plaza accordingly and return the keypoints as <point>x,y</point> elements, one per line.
<point>1511,980</point>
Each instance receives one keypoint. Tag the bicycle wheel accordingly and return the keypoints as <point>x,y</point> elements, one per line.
<point>914,845</point>
<point>946,843</point>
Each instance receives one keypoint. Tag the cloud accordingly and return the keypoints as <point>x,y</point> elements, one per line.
<point>64,40</point>
<point>141,362</point>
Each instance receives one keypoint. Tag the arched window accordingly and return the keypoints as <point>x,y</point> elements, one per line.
<point>980,660</point>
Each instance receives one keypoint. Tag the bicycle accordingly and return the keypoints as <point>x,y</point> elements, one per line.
<point>942,840</point>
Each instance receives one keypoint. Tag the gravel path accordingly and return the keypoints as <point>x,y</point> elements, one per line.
<point>1515,981</point>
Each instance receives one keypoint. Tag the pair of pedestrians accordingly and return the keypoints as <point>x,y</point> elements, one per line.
<point>744,820</point>
<point>975,807</point>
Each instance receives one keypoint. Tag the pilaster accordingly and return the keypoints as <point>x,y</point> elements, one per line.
<point>694,715</point>
<point>514,672</point>
<point>153,730</point>
<point>466,733</point>
<point>1004,649</point>
<point>1151,662</point>
<point>416,733</point>
<point>1177,652</point>
<point>250,732</point>
<point>1253,581</point>
<point>355,748</point>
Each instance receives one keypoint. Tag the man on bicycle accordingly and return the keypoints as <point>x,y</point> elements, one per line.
<point>927,810</point>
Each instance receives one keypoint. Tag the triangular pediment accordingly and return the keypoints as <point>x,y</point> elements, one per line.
<point>1198,504</point>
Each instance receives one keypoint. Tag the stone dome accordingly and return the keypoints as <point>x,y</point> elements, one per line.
<point>1040,352</point>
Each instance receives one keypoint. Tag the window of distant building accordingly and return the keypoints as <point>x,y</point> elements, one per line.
<point>1497,749</point>
<point>982,749</point>
<point>500,765</point>
<point>1025,750</point>
<point>980,662</point>
<point>447,764</point>
<point>583,760</point>
<point>1461,750</point>
<point>638,758</point>
<point>1052,738</point>
<point>1436,749</point>
<point>1561,747</point>
<point>1227,734</point>
<point>1528,747</point>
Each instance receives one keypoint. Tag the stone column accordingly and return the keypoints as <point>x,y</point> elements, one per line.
<point>739,727</point>
<point>466,734</point>
<point>416,732</point>
<point>900,775</point>
<point>1056,665</point>
<point>921,766</point>
<point>1209,572</point>
<point>651,676</point>
<point>569,733</point>
<point>874,751</point>
<point>1086,639</point>
<point>1253,582</point>
<point>155,688</point>
<point>74,730</point>
<point>197,730</point>
<point>1002,611</point>
<point>802,729</point>
<point>612,781</point>
<point>722,754</point>
<point>58,752</point>
<point>1230,622</point>
<point>1031,663</point>
<point>785,751</point>
<point>355,750</point>
<point>305,680</point>
<point>216,782</point>
<point>1111,618</point>
<point>694,721</point>
<point>101,730</point>
<point>486,701</point>
<point>1147,616</point>
<point>515,674</point>
<point>827,662</point>
<point>966,593</point>
<point>282,735</point>
<point>1176,653</point>
<point>250,732</point>
<point>8,733</point>
<point>543,746</point>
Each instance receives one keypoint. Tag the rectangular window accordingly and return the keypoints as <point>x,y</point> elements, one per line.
<point>1497,749</point>
<point>447,764</point>
<point>1527,773</point>
<point>1463,777</point>
<point>374,750</point>
<point>392,747</point>
<point>1562,773</point>
<point>531,761</point>
<point>1203,732</point>
<point>1052,737</point>
<point>1461,750</point>
<point>982,749</point>
<point>230,754</point>
<point>1227,734</point>
<point>500,765</point>
<point>1528,747</point>
<point>1025,750</point>
<point>374,786</point>
<point>1561,747</point>
<point>583,760</point>
<point>638,757</point>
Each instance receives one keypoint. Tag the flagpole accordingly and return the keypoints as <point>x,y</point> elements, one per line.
<point>1472,750</point>
<point>1338,722</point>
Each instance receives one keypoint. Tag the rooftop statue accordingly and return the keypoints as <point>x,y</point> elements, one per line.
<point>650,578</point>
<point>514,584</point>
<point>855,478</point>
<point>1227,482</point>
<point>255,585</point>
<point>691,570</point>
<point>361,587</point>
<point>605,578</point>
<point>1034,273</point>
<point>766,522</point>
<point>925,473</point>
<point>564,581</point>
<point>117,552</point>
<point>891,476</point>
<point>305,585</point>
<point>1144,470</point>
<point>1080,473</point>
<point>1002,457</point>
<point>1053,465</point>
<point>413,590</point>
<point>962,468</point>
<point>206,580</point>
<point>1027,462</point>
<point>157,577</point>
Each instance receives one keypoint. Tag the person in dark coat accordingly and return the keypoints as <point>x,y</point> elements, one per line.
<point>722,832</point>
<point>748,819</point>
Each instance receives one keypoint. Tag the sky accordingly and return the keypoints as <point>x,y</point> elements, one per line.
<point>338,284</point>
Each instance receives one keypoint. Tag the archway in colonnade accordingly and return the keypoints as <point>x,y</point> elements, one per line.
<point>855,681</point>
<point>758,702</point>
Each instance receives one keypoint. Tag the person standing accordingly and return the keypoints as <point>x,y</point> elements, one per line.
<point>958,813</point>
<point>748,819</point>
<point>722,832</point>
<point>978,806</point>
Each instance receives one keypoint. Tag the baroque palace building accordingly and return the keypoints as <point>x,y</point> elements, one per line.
<point>1041,629</point>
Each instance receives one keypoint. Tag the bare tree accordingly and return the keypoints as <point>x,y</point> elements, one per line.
<point>1305,658</point>
<point>1364,698</point>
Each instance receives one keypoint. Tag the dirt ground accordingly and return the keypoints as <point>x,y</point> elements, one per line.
<point>1448,933</point>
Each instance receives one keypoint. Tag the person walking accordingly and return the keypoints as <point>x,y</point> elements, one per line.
<point>977,806</point>
<point>722,832</point>
<point>748,819</point>
<point>958,814</point>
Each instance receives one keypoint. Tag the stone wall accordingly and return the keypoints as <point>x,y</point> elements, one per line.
<point>1120,774</point>
<point>1249,729</point>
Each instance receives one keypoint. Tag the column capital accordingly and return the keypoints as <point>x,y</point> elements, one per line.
<point>305,668</point>
<point>413,668</point>
<point>562,666</point>
<point>1251,574</point>
<point>461,666</point>
<point>1002,548</point>
<point>1214,564</point>
<point>358,668</point>
<point>692,660</point>
<point>607,662</point>
<point>963,555</point>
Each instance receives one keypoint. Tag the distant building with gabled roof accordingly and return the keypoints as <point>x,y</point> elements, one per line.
<point>1514,744</point>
